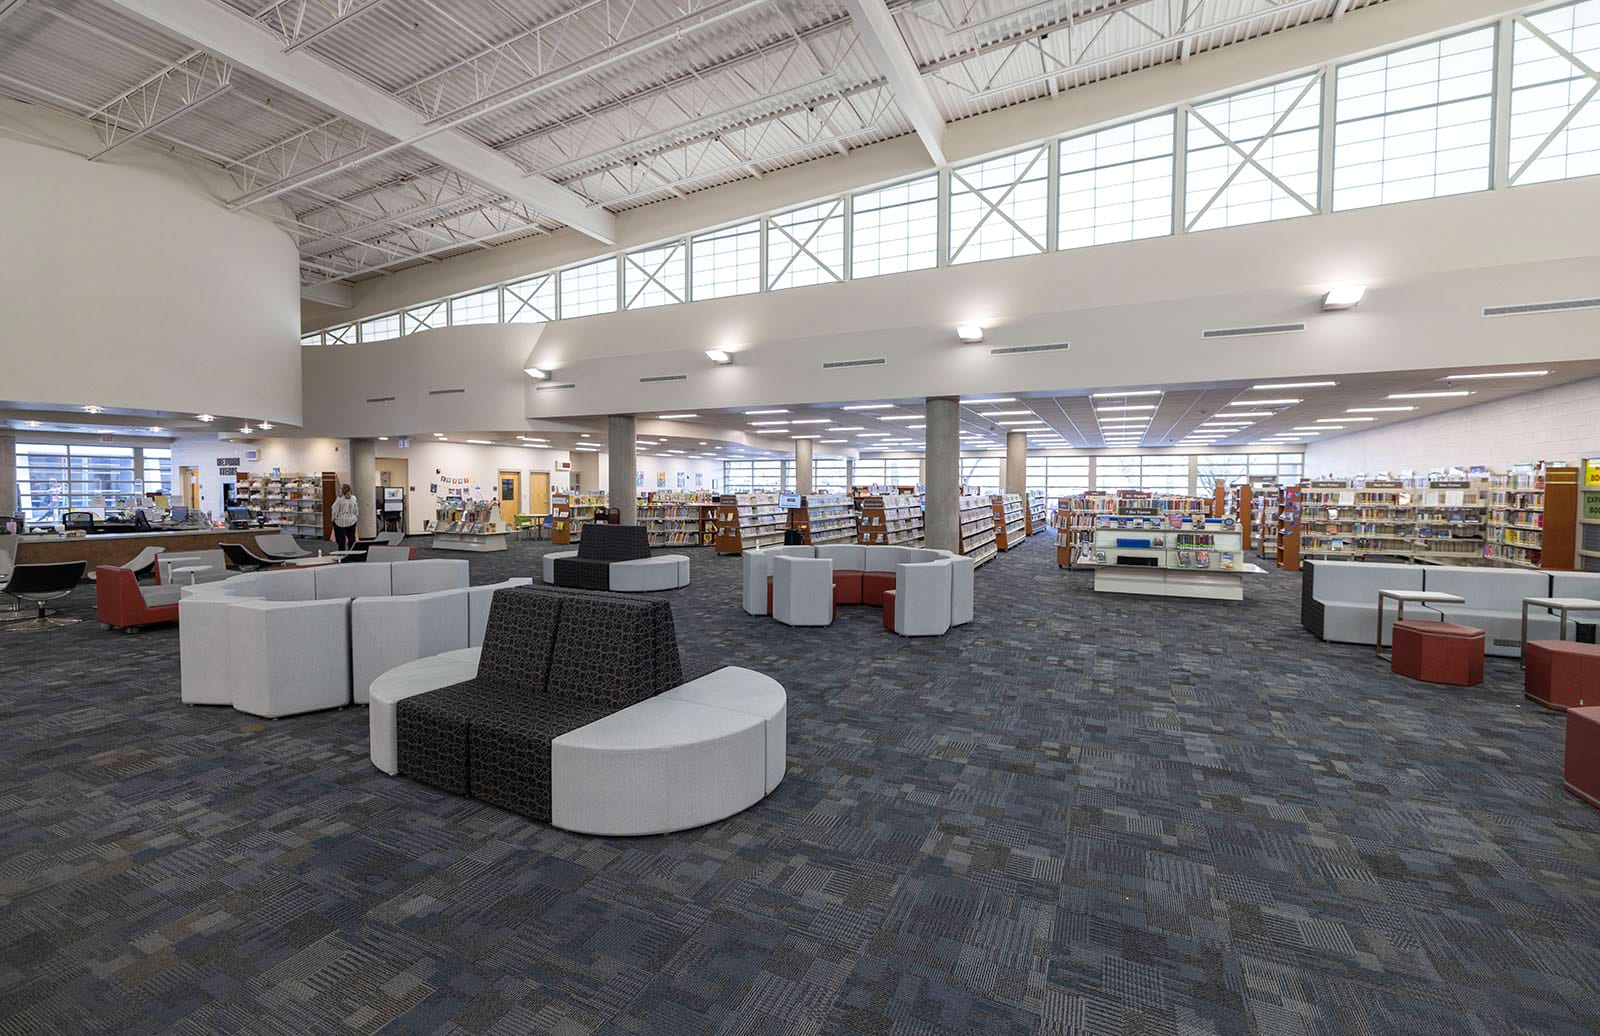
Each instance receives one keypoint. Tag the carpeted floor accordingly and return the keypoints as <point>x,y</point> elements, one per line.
<point>1081,814</point>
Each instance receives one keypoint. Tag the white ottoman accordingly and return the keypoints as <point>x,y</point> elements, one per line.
<point>418,677</point>
<point>657,572</point>
<point>550,563</point>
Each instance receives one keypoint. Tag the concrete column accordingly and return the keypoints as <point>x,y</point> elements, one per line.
<point>8,478</point>
<point>586,466</point>
<point>363,477</point>
<point>1016,480</point>
<point>802,465</point>
<point>943,465</point>
<point>622,452</point>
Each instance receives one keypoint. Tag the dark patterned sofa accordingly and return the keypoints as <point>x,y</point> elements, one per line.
<point>599,548</point>
<point>587,668</point>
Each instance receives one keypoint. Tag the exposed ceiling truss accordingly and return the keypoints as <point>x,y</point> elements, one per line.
<point>386,133</point>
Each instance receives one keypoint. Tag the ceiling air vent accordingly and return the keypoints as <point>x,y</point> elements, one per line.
<point>1531,308</point>
<point>381,399</point>
<point>833,365</point>
<point>446,392</point>
<point>1260,329</point>
<point>1013,350</point>
<point>551,388</point>
<point>664,377</point>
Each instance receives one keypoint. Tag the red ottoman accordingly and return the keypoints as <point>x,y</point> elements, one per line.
<point>1581,775</point>
<point>888,610</point>
<point>873,586</point>
<point>1562,674</point>
<point>1438,652</point>
<point>847,587</point>
<point>769,595</point>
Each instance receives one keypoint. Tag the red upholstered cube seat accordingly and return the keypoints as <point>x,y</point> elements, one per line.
<point>1581,775</point>
<point>1562,674</point>
<point>846,587</point>
<point>888,610</point>
<point>769,595</point>
<point>874,585</point>
<point>1438,652</point>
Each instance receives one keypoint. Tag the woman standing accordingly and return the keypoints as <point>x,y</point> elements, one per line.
<point>345,510</point>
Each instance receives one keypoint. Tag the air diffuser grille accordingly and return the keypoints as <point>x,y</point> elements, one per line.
<point>1013,350</point>
<point>664,377</point>
<point>832,365</point>
<point>1530,308</point>
<point>550,388</point>
<point>446,392</point>
<point>1260,329</point>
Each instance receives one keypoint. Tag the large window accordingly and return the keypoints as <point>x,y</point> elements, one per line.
<point>157,469</point>
<point>1415,123</point>
<point>1000,208</point>
<point>481,307</point>
<point>888,471</point>
<point>1221,469</point>
<point>655,276</point>
<point>1164,473</point>
<point>1116,185</point>
<point>532,301</point>
<point>589,289</point>
<point>1058,476</point>
<point>314,339</point>
<point>342,335</point>
<point>379,329</point>
<point>1253,156</point>
<point>895,229</point>
<point>830,475</point>
<point>757,476</point>
<point>726,262</point>
<point>981,475</point>
<point>806,246</point>
<point>1555,94</point>
<point>426,318</point>
<point>53,478</point>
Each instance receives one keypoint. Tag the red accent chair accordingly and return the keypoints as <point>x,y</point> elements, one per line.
<point>1562,674</point>
<point>847,587</point>
<point>888,609</point>
<point>1438,652</point>
<point>1581,774</point>
<point>122,603</point>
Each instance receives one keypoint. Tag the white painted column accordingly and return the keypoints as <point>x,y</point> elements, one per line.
<point>363,481</point>
<point>1016,480</point>
<point>802,466</point>
<point>943,465</point>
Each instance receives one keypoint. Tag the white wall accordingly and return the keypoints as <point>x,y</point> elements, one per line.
<point>653,465</point>
<point>1558,424</point>
<point>306,456</point>
<point>427,462</point>
<point>125,283</point>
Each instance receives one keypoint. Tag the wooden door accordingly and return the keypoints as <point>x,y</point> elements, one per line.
<point>189,488</point>
<point>510,497</point>
<point>538,492</point>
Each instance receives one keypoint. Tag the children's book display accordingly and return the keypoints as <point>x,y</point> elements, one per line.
<point>1172,554</point>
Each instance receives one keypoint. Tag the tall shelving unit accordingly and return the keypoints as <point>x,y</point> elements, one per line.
<point>1010,520</point>
<point>1450,521</point>
<point>569,512</point>
<point>676,520</point>
<point>1287,527</point>
<point>977,524</point>
<point>890,520</point>
<point>1265,499</point>
<point>1075,524</point>
<point>824,518</point>
<point>1037,512</point>
<point>1342,520</point>
<point>1589,518</point>
<point>747,521</point>
<point>290,500</point>
<point>1533,519</point>
<point>1240,503</point>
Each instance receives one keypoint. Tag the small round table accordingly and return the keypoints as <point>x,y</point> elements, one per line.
<point>192,571</point>
<point>311,562</point>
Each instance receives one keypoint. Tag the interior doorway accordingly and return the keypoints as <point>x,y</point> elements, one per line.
<point>538,492</point>
<point>189,488</point>
<point>510,497</point>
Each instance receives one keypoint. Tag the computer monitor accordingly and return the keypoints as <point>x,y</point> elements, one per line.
<point>180,514</point>
<point>238,516</point>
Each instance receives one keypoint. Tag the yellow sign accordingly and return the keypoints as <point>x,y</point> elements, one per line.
<point>1591,474</point>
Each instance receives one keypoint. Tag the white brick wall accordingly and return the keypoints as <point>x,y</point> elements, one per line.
<point>1555,424</point>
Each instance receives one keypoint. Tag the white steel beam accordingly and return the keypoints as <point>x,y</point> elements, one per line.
<point>880,34</point>
<point>233,38</point>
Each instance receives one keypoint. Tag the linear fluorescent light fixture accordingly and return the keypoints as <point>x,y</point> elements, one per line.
<point>1496,374</point>
<point>813,420</point>
<point>1427,395</point>
<point>1346,296</point>
<point>1379,409</point>
<point>1114,409</point>
<point>207,418</point>
<point>969,333</point>
<point>719,357</point>
<point>769,424</point>
<point>874,435</point>
<point>536,374</point>
<point>479,442</point>
<point>1343,420</point>
<point>849,428</point>
<point>1285,385</point>
<point>1006,413</point>
<point>869,406</point>
<point>1118,395</point>
<point>758,413</point>
<point>674,417</point>
<point>1324,428</point>
<point>901,417</point>
<point>826,442</point>
<point>1264,402</point>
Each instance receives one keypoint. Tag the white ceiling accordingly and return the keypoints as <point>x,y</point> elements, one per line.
<point>610,104</point>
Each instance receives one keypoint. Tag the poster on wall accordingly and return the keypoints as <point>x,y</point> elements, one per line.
<point>661,480</point>
<point>683,479</point>
<point>638,479</point>
<point>697,479</point>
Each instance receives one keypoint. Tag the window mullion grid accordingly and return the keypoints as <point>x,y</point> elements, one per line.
<point>942,232</point>
<point>846,262</point>
<point>1052,195</point>
<point>1505,38</point>
<point>1180,169</point>
<point>761,254</point>
<point>1327,133</point>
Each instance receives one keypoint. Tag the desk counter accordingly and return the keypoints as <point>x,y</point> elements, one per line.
<point>121,547</point>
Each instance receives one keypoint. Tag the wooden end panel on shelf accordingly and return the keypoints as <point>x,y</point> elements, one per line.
<point>1560,537</point>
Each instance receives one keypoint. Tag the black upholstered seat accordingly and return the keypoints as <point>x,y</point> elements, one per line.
<point>599,548</point>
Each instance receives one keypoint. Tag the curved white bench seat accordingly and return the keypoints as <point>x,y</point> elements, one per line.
<point>656,572</point>
<point>934,588</point>
<point>690,756</point>
<point>415,677</point>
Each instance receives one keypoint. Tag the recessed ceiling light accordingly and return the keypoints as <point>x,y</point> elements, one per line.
<point>155,429</point>
<point>1326,427</point>
<point>1496,374</point>
<point>758,413</point>
<point>901,417</point>
<point>849,428</point>
<point>1118,395</point>
<point>1016,423</point>
<point>719,357</point>
<point>1343,420</point>
<point>674,417</point>
<point>813,420</point>
<point>769,424</point>
<point>702,444</point>
<point>830,441</point>
<point>383,438</point>
<point>975,402</point>
<point>1124,420</point>
<point>1252,413</point>
<point>536,374</point>
<point>1263,402</point>
<point>805,436</point>
<point>874,435</point>
<point>479,442</point>
<point>969,332</point>
<point>1005,413</point>
<point>204,417</point>
<point>246,429</point>
<point>1110,409</point>
<point>869,406</point>
<point>438,435</point>
<point>588,449</point>
<point>1426,395</point>
<point>1378,409</point>
<point>1346,296</point>
<point>265,426</point>
<point>1292,385</point>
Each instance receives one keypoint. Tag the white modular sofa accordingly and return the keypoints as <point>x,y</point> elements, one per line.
<point>690,756</point>
<point>1339,600</point>
<point>329,632</point>
<point>933,589</point>
<point>802,590</point>
<point>642,575</point>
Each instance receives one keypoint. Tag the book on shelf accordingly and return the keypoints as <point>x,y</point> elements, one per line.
<point>1010,520</point>
<point>977,528</point>
<point>890,520</point>
<point>748,521</point>
<point>824,518</point>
